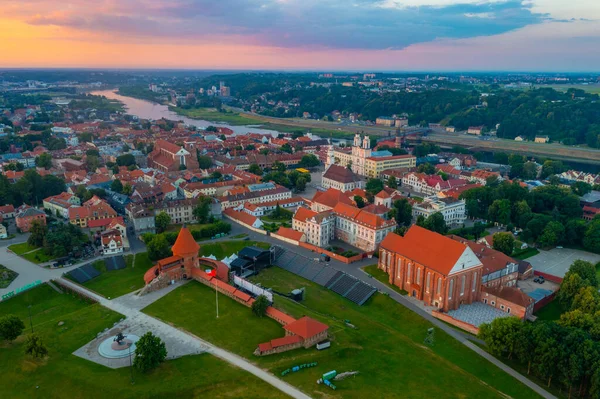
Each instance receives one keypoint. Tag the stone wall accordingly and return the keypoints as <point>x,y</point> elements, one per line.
<point>458,323</point>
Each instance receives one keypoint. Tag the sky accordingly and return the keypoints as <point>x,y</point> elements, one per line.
<point>367,35</point>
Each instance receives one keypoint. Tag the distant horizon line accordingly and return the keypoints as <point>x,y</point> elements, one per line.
<point>256,70</point>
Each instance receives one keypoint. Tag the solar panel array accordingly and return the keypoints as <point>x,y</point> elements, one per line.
<point>84,273</point>
<point>326,276</point>
<point>115,263</point>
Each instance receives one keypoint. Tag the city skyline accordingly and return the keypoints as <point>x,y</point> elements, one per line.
<point>388,35</point>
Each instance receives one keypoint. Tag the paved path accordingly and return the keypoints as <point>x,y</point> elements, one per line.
<point>355,270</point>
<point>130,307</point>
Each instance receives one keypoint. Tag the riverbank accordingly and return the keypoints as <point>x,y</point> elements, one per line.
<point>212,114</point>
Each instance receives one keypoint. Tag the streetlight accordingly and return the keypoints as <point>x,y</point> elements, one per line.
<point>30,323</point>
<point>131,364</point>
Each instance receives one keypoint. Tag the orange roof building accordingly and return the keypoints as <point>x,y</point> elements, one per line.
<point>185,243</point>
<point>438,270</point>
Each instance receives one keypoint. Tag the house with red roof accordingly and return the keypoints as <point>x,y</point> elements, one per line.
<point>304,332</point>
<point>433,268</point>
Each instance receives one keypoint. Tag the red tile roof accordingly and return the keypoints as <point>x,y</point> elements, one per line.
<point>306,327</point>
<point>331,197</point>
<point>302,214</point>
<point>280,316</point>
<point>169,260</point>
<point>430,249</point>
<point>185,243</point>
<point>243,217</point>
<point>292,234</point>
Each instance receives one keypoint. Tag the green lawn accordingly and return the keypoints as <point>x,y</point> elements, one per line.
<point>114,283</point>
<point>386,346</point>
<point>525,253</point>
<point>212,115</point>
<point>221,249</point>
<point>551,311</point>
<point>383,277</point>
<point>38,256</point>
<point>62,374</point>
<point>6,276</point>
<point>21,248</point>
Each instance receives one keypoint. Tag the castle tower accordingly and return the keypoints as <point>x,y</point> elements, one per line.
<point>186,247</point>
<point>356,140</point>
<point>330,157</point>
<point>366,143</point>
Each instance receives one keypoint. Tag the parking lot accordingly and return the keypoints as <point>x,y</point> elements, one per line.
<point>558,260</point>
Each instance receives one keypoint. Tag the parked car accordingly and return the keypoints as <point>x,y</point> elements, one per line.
<point>539,279</point>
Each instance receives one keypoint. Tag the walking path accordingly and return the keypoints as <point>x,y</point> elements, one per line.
<point>130,306</point>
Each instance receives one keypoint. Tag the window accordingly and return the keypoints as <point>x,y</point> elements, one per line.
<point>502,307</point>
<point>474,281</point>
<point>463,279</point>
<point>493,303</point>
<point>507,310</point>
<point>418,280</point>
<point>450,289</point>
<point>439,285</point>
<point>408,273</point>
<point>428,281</point>
<point>485,300</point>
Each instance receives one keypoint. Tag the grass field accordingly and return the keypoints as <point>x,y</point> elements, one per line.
<point>38,256</point>
<point>21,248</point>
<point>594,89</point>
<point>526,253</point>
<point>222,249</point>
<point>212,115</point>
<point>62,374</point>
<point>325,133</point>
<point>386,346</point>
<point>114,283</point>
<point>383,277</point>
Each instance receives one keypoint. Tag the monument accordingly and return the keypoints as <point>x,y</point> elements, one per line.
<point>118,347</point>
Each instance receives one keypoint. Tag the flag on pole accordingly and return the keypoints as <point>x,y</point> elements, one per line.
<point>212,272</point>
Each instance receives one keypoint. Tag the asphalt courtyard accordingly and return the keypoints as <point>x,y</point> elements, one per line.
<point>558,260</point>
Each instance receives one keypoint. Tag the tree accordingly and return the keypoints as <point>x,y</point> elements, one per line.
<point>391,182</point>
<point>44,160</point>
<point>125,160</point>
<point>216,175</point>
<point>301,184</point>
<point>501,335</point>
<point>426,168</point>
<point>202,210</point>
<point>585,270</point>
<point>286,148</point>
<point>504,242</point>
<point>150,351</point>
<point>264,151</point>
<point>374,186</point>
<point>116,186</point>
<point>309,161</point>
<point>158,247</point>
<point>581,188</point>
<point>360,202</point>
<point>10,327</point>
<point>92,162</point>
<point>500,211</point>
<point>570,287</point>
<point>278,166</point>
<point>587,300</point>
<point>402,212</point>
<point>554,180</point>
<point>35,346</point>
<point>204,162</point>
<point>254,168</point>
<point>591,239</point>
<point>162,221</point>
<point>127,189</point>
<point>260,305</point>
<point>436,223</point>
<point>553,233</point>
<point>37,233</point>
<point>575,231</point>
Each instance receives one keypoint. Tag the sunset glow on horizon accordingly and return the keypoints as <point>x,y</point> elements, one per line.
<point>302,35</point>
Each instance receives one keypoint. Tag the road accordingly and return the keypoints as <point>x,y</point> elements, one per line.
<point>554,150</point>
<point>29,272</point>
<point>355,270</point>
<point>129,309</point>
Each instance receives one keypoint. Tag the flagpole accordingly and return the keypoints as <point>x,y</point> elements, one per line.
<point>217,295</point>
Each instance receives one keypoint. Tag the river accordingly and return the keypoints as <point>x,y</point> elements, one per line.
<point>148,110</point>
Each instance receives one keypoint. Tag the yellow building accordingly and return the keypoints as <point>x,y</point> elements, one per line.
<point>542,139</point>
<point>375,165</point>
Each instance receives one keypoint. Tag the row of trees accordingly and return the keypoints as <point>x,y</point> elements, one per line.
<point>566,352</point>
<point>30,189</point>
<point>548,215</point>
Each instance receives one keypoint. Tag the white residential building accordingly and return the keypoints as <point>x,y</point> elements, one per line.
<point>453,210</point>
